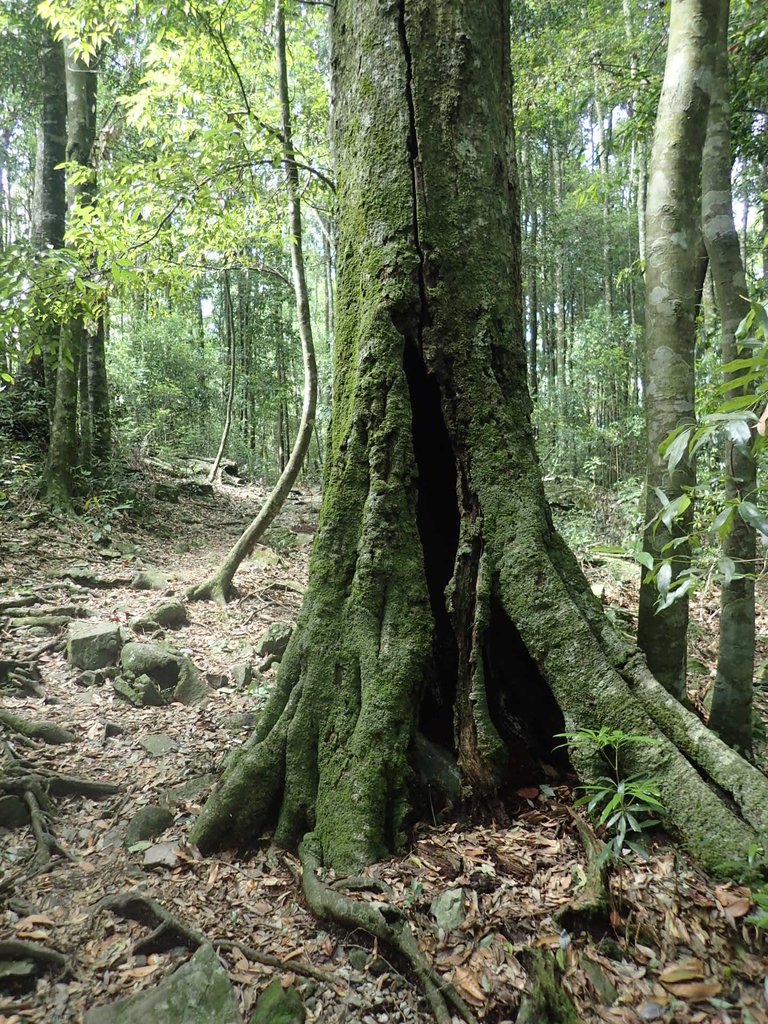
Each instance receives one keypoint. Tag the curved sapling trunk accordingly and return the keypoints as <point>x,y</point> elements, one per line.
<point>440,597</point>
<point>217,587</point>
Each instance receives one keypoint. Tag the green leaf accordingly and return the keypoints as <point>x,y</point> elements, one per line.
<point>752,516</point>
<point>677,449</point>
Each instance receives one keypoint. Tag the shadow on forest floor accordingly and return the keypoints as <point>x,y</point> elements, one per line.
<point>674,948</point>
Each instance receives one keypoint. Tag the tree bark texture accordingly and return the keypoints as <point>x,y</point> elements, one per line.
<point>49,209</point>
<point>672,240</point>
<point>440,597</point>
<point>731,715</point>
<point>229,330</point>
<point>62,452</point>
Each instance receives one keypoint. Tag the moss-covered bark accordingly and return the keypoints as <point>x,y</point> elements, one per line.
<point>439,592</point>
<point>732,702</point>
<point>673,233</point>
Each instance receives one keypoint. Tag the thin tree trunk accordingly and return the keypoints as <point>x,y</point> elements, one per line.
<point>229,327</point>
<point>673,233</point>
<point>62,453</point>
<point>731,715</point>
<point>560,330</point>
<point>98,399</point>
<point>49,208</point>
<point>217,587</point>
<point>602,156</point>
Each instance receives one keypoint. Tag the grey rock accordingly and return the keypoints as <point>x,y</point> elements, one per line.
<point>147,823</point>
<point>199,992</point>
<point>192,688</point>
<point>358,958</point>
<point>143,692</point>
<point>275,640</point>
<point>158,661</point>
<point>158,744</point>
<point>162,855</point>
<point>169,614</point>
<point>448,909</point>
<point>242,674</point>
<point>92,645</point>
<point>216,679</point>
<point>167,668</point>
<point>278,1005</point>
<point>150,579</point>
<point>264,556</point>
<point>90,678</point>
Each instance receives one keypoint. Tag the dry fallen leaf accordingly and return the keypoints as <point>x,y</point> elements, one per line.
<point>686,970</point>
<point>469,986</point>
<point>696,991</point>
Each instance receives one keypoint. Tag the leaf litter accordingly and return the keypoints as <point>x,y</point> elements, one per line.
<point>675,948</point>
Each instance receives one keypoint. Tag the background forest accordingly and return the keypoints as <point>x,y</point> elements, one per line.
<point>169,236</point>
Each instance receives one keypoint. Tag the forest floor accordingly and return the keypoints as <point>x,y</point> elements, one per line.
<point>676,947</point>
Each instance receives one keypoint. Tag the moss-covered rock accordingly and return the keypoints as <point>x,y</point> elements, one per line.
<point>278,1005</point>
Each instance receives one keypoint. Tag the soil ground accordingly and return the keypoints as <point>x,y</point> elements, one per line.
<point>676,946</point>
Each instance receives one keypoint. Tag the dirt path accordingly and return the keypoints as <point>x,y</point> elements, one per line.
<point>676,948</point>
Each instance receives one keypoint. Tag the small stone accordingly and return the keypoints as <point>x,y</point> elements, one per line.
<point>190,789</point>
<point>242,674</point>
<point>147,823</point>
<point>264,556</point>
<point>90,678</point>
<point>216,679</point>
<point>275,640</point>
<point>168,614</point>
<point>278,1005</point>
<point>150,579</point>
<point>162,855</point>
<point>158,744</point>
<point>448,909</point>
<point>142,693</point>
<point>358,959</point>
<point>92,645</point>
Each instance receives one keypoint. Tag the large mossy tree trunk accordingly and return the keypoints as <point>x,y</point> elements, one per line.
<point>440,598</point>
<point>731,715</point>
<point>673,233</point>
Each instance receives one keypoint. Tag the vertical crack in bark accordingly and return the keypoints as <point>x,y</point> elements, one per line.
<point>417,183</point>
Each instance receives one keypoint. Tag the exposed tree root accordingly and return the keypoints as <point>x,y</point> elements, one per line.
<point>35,786</point>
<point>22,677</point>
<point>296,966</point>
<point>16,949</point>
<point>48,732</point>
<point>171,931</point>
<point>47,846</point>
<point>547,1003</point>
<point>385,923</point>
<point>592,904</point>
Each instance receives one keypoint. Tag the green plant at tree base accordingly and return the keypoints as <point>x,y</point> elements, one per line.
<point>624,805</point>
